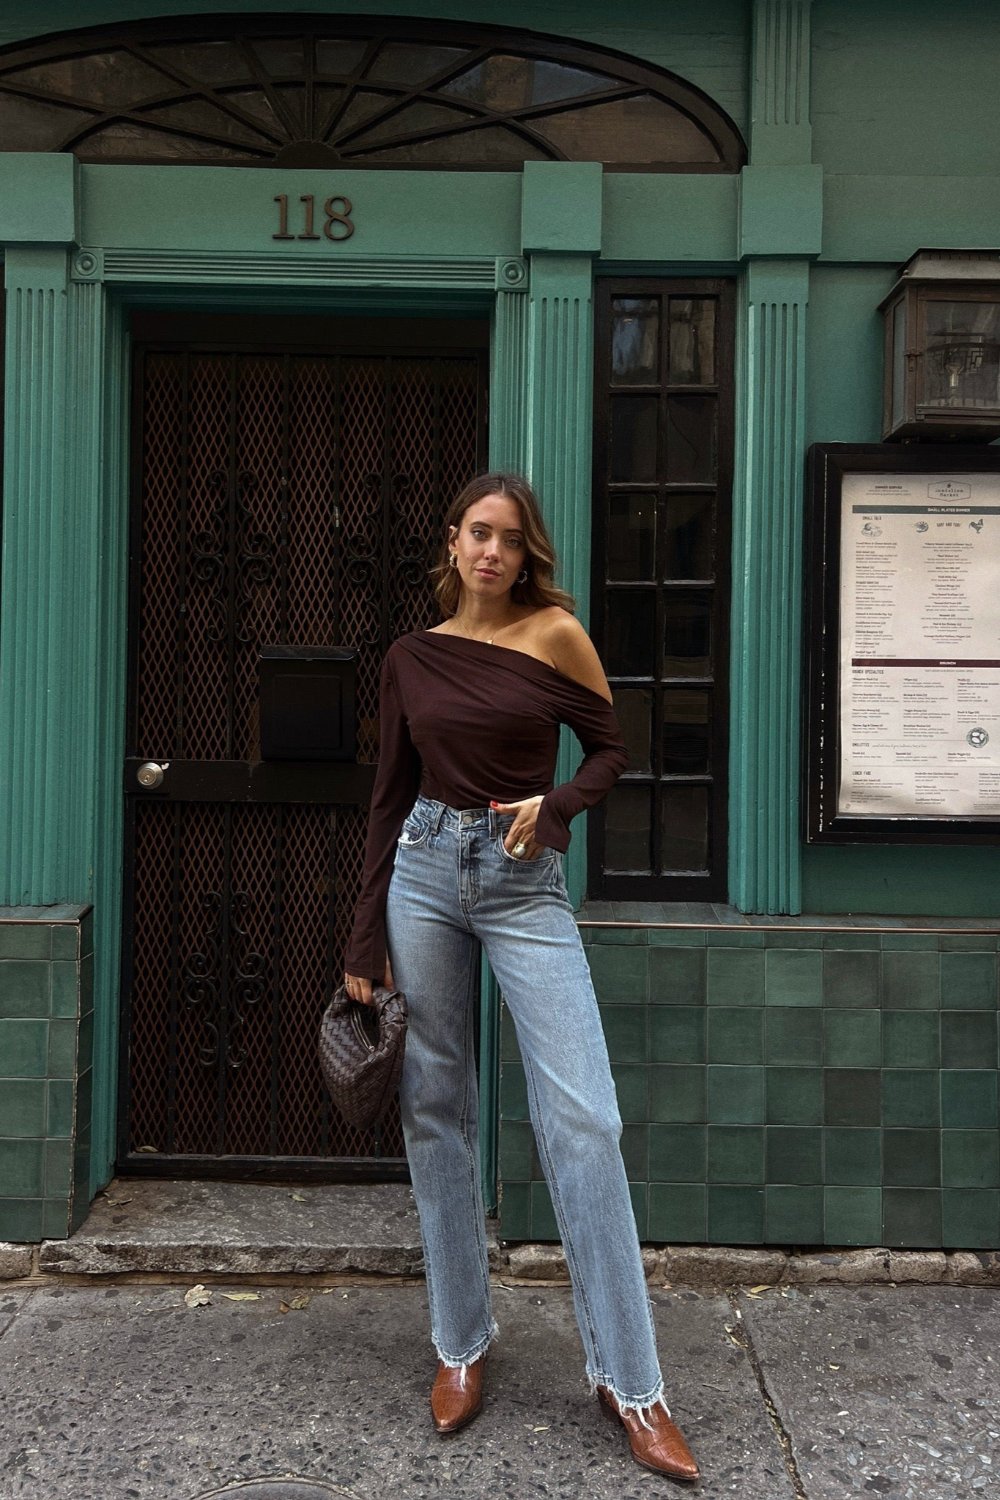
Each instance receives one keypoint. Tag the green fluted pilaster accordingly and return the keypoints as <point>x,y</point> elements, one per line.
<point>43,842</point>
<point>780,131</point>
<point>62,629</point>
<point>509,416</point>
<point>560,344</point>
<point>767,589</point>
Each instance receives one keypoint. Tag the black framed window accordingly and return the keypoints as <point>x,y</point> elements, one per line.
<point>359,91</point>
<point>663,444</point>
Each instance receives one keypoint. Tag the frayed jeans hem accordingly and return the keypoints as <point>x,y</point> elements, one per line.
<point>476,1352</point>
<point>641,1405</point>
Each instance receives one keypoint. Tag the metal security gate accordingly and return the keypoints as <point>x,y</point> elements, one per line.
<point>283,496</point>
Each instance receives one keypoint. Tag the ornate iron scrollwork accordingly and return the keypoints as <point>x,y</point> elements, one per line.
<point>202,978</point>
<point>255,559</point>
<point>248,984</point>
<point>209,549</point>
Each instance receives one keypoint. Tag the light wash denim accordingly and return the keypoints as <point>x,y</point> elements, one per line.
<point>455,887</point>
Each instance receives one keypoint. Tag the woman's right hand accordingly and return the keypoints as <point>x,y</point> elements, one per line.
<point>361,989</point>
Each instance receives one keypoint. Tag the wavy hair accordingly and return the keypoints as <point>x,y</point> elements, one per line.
<point>539,589</point>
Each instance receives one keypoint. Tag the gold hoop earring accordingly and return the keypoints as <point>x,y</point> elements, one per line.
<point>453,559</point>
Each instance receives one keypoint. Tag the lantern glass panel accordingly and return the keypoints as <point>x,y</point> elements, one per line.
<point>962,356</point>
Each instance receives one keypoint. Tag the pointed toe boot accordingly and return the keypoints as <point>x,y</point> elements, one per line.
<point>657,1444</point>
<point>457,1395</point>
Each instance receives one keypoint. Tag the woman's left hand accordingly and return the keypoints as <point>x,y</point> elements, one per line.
<point>522,830</point>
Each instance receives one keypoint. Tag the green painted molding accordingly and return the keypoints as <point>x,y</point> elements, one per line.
<point>225,209</point>
<point>561,207</point>
<point>38,198</point>
<point>560,398</point>
<point>767,589</point>
<point>781,211</point>
<point>672,216</point>
<point>886,218</point>
<point>109,409</point>
<point>780,130</point>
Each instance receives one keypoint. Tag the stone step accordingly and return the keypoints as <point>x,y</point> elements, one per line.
<point>239,1228</point>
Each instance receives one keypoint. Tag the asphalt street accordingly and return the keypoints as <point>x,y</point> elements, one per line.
<point>127,1392</point>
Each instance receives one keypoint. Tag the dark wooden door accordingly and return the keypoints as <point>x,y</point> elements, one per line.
<point>283,496</point>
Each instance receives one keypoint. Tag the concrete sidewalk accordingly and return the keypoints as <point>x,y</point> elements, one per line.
<point>124,1392</point>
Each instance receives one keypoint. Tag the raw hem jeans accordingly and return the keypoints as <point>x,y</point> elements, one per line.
<point>455,887</point>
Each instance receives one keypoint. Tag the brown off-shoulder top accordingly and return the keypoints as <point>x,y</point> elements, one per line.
<point>467,723</point>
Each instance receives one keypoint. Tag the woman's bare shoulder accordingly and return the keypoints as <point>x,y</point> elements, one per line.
<point>570,649</point>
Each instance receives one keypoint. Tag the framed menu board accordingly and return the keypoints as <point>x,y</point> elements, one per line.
<point>902,634</point>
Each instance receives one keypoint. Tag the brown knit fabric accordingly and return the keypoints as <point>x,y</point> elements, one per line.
<point>466,723</point>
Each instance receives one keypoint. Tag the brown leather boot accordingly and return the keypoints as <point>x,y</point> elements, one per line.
<point>660,1446</point>
<point>457,1395</point>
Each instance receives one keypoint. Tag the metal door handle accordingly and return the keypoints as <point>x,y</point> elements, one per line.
<point>150,774</point>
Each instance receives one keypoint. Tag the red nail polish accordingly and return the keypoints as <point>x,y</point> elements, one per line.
<point>494,804</point>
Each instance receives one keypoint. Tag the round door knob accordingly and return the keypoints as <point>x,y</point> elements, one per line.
<point>150,775</point>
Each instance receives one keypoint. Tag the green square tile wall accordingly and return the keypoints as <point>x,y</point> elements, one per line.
<point>790,1086</point>
<point>46,1030</point>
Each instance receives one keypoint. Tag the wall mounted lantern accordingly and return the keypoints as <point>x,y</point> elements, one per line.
<point>942,348</point>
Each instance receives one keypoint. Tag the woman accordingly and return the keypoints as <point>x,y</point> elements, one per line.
<point>464,848</point>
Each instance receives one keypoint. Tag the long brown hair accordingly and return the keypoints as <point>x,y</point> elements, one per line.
<point>539,588</point>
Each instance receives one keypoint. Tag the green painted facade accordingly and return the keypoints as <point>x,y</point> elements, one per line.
<point>855,161</point>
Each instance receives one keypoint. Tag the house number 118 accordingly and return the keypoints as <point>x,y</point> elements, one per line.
<point>336,221</point>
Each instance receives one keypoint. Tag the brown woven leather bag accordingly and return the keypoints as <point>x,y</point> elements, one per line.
<point>361,1053</point>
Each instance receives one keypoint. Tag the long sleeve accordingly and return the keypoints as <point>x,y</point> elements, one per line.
<point>396,784</point>
<point>593,721</point>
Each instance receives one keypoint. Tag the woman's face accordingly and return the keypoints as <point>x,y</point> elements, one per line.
<point>489,546</point>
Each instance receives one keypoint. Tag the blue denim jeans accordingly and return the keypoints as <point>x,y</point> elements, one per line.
<point>454,887</point>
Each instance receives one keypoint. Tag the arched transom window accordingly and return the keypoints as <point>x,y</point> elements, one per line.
<point>357,91</point>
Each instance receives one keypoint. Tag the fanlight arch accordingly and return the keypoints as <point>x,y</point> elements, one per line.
<point>358,91</point>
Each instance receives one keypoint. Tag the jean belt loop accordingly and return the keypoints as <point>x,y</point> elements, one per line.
<point>494,823</point>
<point>439,812</point>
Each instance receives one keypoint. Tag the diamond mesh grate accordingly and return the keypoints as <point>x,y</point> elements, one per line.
<point>285,499</point>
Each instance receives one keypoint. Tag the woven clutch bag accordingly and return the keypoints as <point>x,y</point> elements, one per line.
<point>361,1053</point>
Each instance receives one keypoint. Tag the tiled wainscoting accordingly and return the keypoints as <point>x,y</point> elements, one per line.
<point>46,1037</point>
<point>791,1085</point>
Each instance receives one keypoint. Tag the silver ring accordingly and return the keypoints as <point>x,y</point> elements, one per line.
<point>518,850</point>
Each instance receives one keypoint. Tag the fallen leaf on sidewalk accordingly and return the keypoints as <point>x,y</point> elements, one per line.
<point>755,1291</point>
<point>242,1296</point>
<point>296,1304</point>
<point>299,1197</point>
<point>116,1202</point>
<point>198,1296</point>
<point>539,1429</point>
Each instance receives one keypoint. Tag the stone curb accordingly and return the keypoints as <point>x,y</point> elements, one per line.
<point>667,1265</point>
<point>721,1265</point>
<point>15,1261</point>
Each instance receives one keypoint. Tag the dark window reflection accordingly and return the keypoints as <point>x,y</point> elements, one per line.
<point>631,616</point>
<point>691,439</point>
<point>686,739</point>
<point>627,823</point>
<point>633,438</point>
<point>692,341</point>
<point>635,328</point>
<point>631,537</point>
<point>688,541</point>
<point>683,829</point>
<point>687,634</point>
<point>634,707</point>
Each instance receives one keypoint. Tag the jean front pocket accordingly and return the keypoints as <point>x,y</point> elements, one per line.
<point>414,832</point>
<point>545,856</point>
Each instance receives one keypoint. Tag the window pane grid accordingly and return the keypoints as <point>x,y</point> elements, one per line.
<point>660,495</point>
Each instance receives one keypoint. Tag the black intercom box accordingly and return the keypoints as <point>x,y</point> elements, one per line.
<point>307,703</point>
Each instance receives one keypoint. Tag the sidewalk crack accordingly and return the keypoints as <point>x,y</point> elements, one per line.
<point>15,1311</point>
<point>740,1334</point>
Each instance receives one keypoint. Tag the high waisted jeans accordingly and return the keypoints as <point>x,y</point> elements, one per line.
<point>453,888</point>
